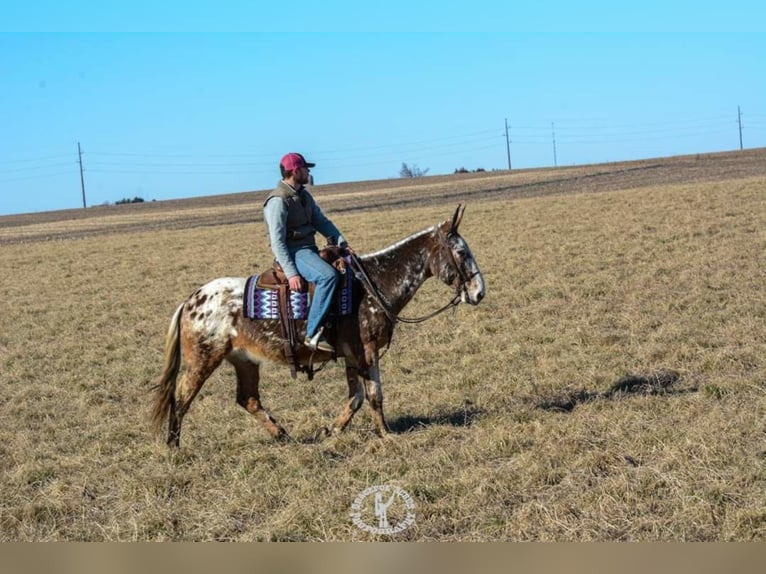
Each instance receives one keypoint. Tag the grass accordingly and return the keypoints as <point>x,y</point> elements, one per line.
<point>612,386</point>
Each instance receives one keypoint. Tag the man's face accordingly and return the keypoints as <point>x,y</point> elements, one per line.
<point>302,175</point>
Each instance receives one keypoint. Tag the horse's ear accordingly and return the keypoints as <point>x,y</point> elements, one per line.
<point>456,218</point>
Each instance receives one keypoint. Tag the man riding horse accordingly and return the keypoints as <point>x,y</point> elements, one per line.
<point>293,218</point>
<point>212,325</point>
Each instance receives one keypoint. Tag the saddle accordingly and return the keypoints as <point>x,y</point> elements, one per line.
<point>275,279</point>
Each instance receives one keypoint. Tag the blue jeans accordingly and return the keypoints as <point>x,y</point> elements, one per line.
<point>314,269</point>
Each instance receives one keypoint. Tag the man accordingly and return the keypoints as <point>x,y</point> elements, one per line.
<point>293,218</point>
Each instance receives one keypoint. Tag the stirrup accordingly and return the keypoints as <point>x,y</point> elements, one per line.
<point>319,343</point>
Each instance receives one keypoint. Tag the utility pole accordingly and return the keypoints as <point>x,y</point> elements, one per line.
<point>553,132</point>
<point>507,144</point>
<point>739,120</point>
<point>82,179</point>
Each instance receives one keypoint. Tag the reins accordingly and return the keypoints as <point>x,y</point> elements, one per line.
<point>361,274</point>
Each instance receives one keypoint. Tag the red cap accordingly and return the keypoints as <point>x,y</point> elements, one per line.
<point>293,161</point>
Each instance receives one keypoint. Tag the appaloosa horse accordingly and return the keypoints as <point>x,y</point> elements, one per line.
<point>210,327</point>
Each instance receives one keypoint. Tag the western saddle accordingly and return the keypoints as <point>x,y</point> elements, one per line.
<point>275,279</point>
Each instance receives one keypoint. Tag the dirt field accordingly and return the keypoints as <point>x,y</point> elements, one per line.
<point>612,386</point>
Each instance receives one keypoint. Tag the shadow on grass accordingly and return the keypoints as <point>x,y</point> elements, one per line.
<point>657,383</point>
<point>463,417</point>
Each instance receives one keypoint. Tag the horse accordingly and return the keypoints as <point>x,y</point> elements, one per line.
<point>209,327</point>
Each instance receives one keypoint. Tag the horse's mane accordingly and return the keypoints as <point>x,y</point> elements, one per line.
<point>399,244</point>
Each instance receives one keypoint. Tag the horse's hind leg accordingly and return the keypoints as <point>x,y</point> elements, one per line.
<point>197,372</point>
<point>355,399</point>
<point>248,397</point>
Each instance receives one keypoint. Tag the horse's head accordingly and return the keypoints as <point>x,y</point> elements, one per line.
<point>454,263</point>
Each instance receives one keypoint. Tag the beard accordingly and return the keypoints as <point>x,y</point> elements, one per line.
<point>302,177</point>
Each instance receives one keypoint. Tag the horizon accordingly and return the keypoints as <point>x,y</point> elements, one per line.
<point>404,181</point>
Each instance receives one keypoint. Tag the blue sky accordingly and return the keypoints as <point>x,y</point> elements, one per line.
<point>169,101</point>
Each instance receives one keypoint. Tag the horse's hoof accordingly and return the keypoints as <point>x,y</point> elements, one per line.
<point>321,434</point>
<point>283,437</point>
<point>386,434</point>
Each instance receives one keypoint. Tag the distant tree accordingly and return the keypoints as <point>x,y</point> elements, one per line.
<point>128,200</point>
<point>461,170</point>
<point>413,171</point>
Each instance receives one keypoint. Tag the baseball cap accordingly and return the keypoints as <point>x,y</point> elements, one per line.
<point>293,161</point>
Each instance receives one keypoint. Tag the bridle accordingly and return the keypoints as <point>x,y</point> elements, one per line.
<point>361,274</point>
<point>464,277</point>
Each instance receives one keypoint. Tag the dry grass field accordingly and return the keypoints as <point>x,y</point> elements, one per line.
<point>611,387</point>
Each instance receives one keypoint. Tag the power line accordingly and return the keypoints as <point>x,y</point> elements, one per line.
<point>601,132</point>
<point>413,143</point>
<point>272,155</point>
<point>570,131</point>
<point>604,124</point>
<point>545,138</point>
<point>7,161</point>
<point>35,167</point>
<point>249,167</point>
<point>423,155</point>
<point>31,177</point>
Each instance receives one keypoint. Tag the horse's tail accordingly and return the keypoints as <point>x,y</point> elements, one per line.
<point>165,397</point>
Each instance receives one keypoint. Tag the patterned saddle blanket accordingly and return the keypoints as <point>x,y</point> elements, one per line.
<point>263,304</point>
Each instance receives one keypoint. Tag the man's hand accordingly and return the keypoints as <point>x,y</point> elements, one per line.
<point>296,282</point>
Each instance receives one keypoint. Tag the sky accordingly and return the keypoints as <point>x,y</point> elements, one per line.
<point>171,100</point>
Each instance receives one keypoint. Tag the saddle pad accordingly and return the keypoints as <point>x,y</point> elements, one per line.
<point>264,303</point>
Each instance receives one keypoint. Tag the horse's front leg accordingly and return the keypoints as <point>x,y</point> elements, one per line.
<point>374,390</point>
<point>355,398</point>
